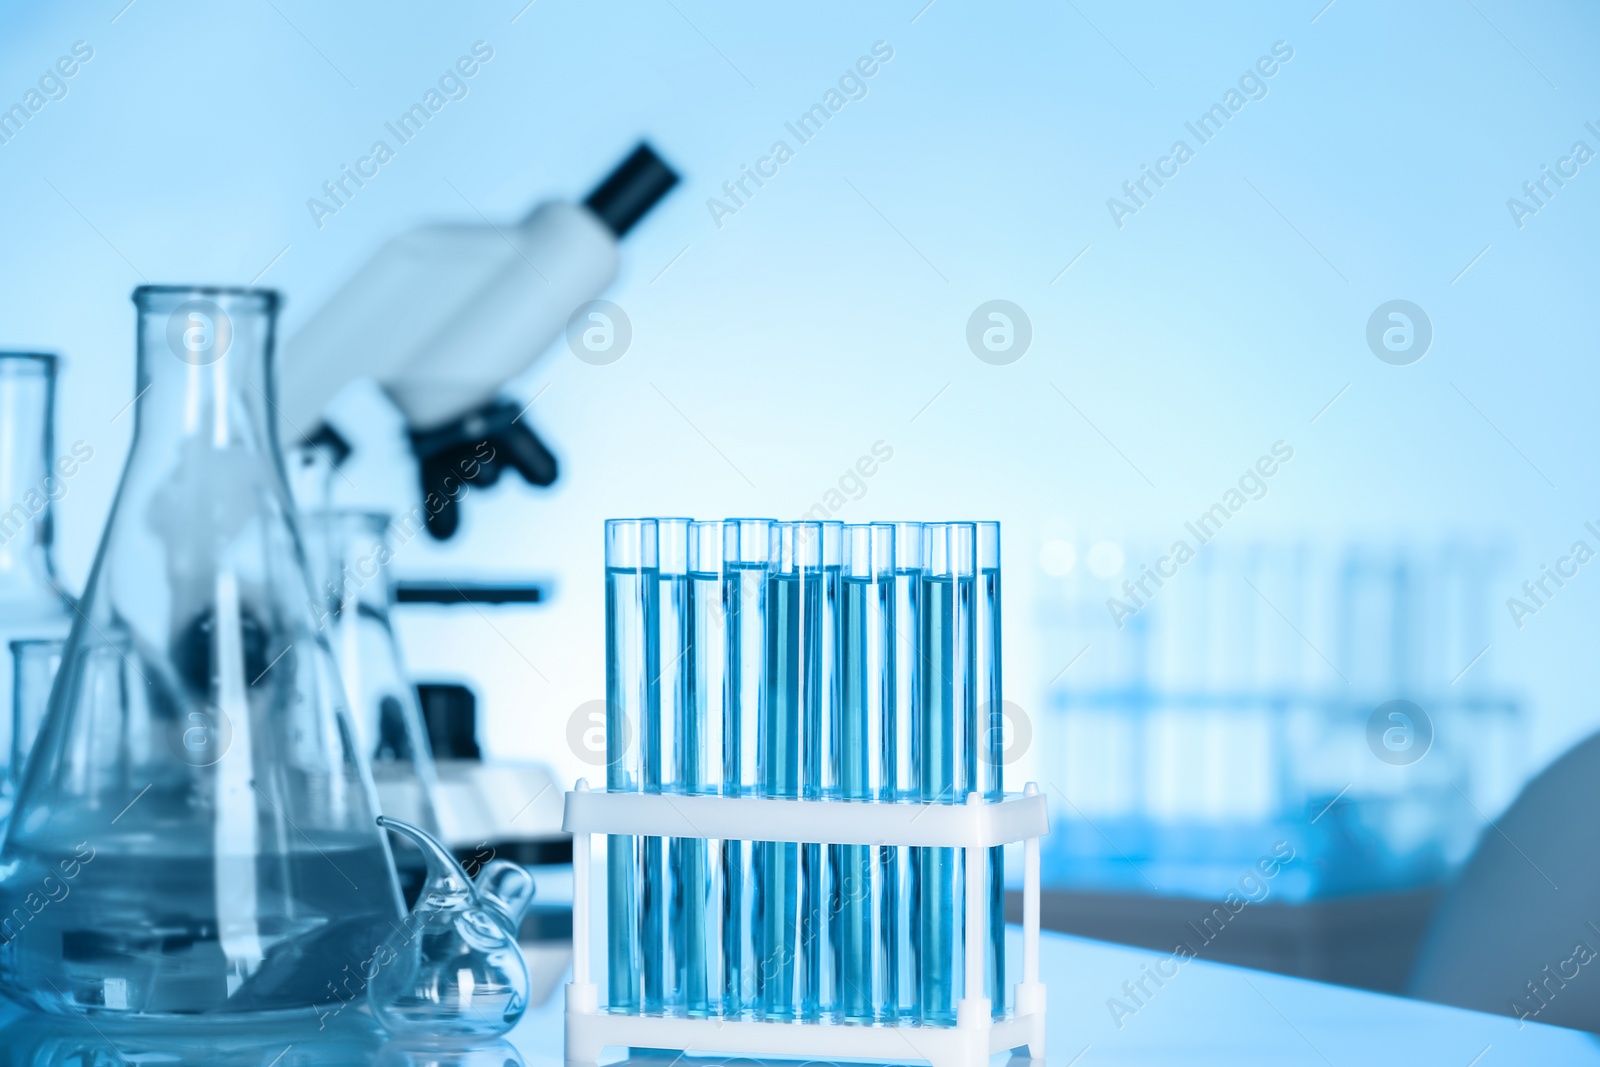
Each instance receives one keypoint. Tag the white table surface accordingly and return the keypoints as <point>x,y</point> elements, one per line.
<point>1214,1014</point>
<point>1206,1014</point>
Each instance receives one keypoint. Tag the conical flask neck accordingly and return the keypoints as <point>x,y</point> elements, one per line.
<point>205,369</point>
<point>29,480</point>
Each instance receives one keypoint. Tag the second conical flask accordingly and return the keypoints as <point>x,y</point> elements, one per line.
<point>196,831</point>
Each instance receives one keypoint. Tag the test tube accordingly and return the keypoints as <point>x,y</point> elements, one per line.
<point>794,676</point>
<point>863,768</point>
<point>902,756</point>
<point>631,698</point>
<point>990,783</point>
<point>706,902</point>
<point>819,993</point>
<point>664,958</point>
<point>746,548</point>
<point>947,752</point>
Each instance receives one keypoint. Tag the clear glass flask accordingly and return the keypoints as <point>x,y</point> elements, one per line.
<point>196,788</point>
<point>452,972</point>
<point>32,478</point>
<point>34,662</point>
<point>352,550</point>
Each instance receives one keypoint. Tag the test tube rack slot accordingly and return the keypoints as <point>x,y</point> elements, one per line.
<point>973,827</point>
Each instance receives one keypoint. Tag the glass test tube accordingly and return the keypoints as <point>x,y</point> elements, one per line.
<point>990,781</point>
<point>862,933</point>
<point>902,756</point>
<point>707,903</point>
<point>947,753</point>
<point>746,548</point>
<point>631,697</point>
<point>794,677</point>
<point>664,957</point>
<point>817,780</point>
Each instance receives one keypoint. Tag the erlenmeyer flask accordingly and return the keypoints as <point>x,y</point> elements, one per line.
<point>195,830</point>
<point>351,551</point>
<point>32,478</point>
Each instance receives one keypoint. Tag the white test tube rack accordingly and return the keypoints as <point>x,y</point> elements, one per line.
<point>974,827</point>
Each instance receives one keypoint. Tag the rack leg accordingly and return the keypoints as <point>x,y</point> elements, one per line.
<point>974,1018</point>
<point>583,997</point>
<point>1030,992</point>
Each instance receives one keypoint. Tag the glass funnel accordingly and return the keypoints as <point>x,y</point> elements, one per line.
<point>32,478</point>
<point>194,834</point>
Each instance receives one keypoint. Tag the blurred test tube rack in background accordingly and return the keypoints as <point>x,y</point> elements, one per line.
<point>1228,707</point>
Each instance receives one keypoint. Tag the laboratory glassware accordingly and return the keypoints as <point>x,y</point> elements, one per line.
<point>632,695</point>
<point>352,549</point>
<point>793,684</point>
<point>900,750</point>
<point>819,740</point>
<point>747,565</point>
<point>946,753</point>
<point>195,783</point>
<point>665,952</point>
<point>970,1039</point>
<point>707,905</point>
<point>863,931</point>
<point>992,751</point>
<point>451,970</point>
<point>34,662</point>
<point>32,478</point>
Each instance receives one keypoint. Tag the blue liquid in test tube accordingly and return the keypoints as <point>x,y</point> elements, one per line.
<point>705,864</point>
<point>794,678</point>
<point>992,752</point>
<point>863,931</point>
<point>820,730</point>
<point>898,917</point>
<point>946,756</point>
<point>665,950</point>
<point>746,545</point>
<point>631,699</point>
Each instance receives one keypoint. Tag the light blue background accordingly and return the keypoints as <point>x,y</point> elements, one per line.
<point>828,311</point>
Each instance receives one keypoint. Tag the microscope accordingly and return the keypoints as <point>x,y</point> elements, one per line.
<point>441,318</point>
